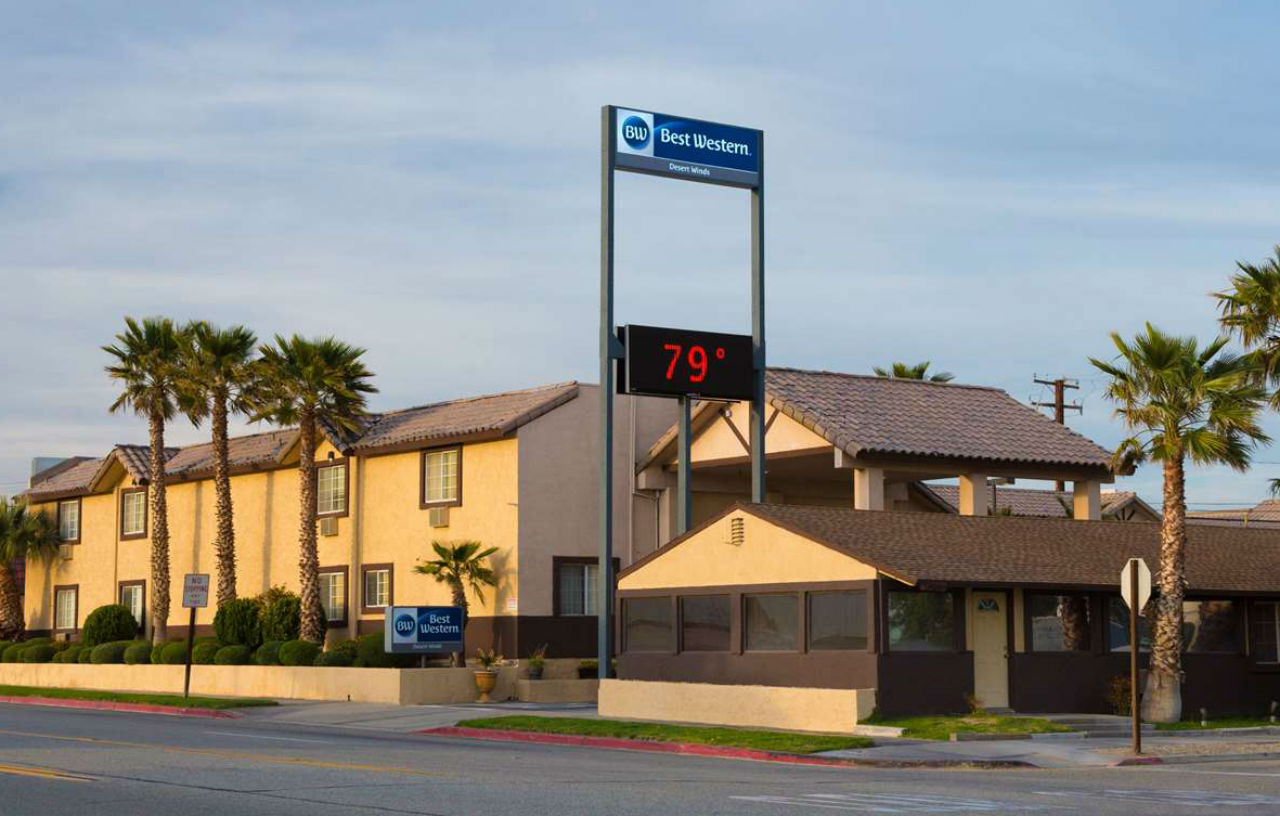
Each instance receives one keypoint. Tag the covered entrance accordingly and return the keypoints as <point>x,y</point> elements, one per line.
<point>990,614</point>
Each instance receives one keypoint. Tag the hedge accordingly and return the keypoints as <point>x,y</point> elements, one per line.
<point>236,654</point>
<point>369,654</point>
<point>268,654</point>
<point>85,655</point>
<point>202,653</point>
<point>113,622</point>
<point>239,621</point>
<point>41,653</point>
<point>13,653</point>
<point>346,647</point>
<point>69,655</point>
<point>333,659</point>
<point>138,652</point>
<point>299,653</point>
<point>174,653</point>
<point>112,652</point>
<point>282,619</point>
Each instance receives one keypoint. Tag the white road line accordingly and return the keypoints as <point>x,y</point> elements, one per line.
<point>1213,773</point>
<point>261,736</point>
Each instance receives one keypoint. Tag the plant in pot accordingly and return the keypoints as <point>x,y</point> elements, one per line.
<point>486,675</point>
<point>588,667</point>
<point>537,662</point>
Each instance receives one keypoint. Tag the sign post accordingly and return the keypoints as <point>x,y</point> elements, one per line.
<point>195,595</point>
<point>1135,588</point>
<point>692,150</point>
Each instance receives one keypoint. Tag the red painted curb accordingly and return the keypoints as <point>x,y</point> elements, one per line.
<point>136,708</point>
<point>1141,760</point>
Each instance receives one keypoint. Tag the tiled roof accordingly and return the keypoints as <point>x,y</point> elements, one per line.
<point>885,415</point>
<point>495,415</point>
<point>1025,502</point>
<point>260,449</point>
<point>67,482</point>
<point>937,547</point>
<point>1264,512</point>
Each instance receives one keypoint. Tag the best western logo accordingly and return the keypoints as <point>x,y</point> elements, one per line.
<point>406,626</point>
<point>635,132</point>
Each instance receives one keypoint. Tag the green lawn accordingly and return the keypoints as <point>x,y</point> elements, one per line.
<point>1226,722</point>
<point>781,741</point>
<point>146,699</point>
<point>942,727</point>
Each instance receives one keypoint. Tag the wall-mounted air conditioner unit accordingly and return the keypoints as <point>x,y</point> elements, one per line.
<point>329,526</point>
<point>439,517</point>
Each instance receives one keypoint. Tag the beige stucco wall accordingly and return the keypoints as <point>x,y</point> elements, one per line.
<point>717,440</point>
<point>768,555</point>
<point>792,709</point>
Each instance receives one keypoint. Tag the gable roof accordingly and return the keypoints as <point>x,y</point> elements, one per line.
<point>66,483</point>
<point>938,548</point>
<point>244,453</point>
<point>1023,501</point>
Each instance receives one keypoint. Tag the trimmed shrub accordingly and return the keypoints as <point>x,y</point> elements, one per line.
<point>109,623</point>
<point>41,653</point>
<point>369,654</point>
<point>268,654</point>
<point>333,659</point>
<point>61,645</point>
<point>13,653</point>
<point>40,641</point>
<point>112,652</point>
<point>239,622</point>
<point>282,619</point>
<point>236,654</point>
<point>346,647</point>
<point>85,655</point>
<point>299,653</point>
<point>138,652</point>
<point>71,654</point>
<point>174,653</point>
<point>5,644</point>
<point>204,652</point>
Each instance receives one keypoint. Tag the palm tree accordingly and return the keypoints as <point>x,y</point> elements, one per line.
<point>461,565</point>
<point>146,361</point>
<point>24,535</point>
<point>307,383</point>
<point>217,379</point>
<point>903,371</point>
<point>1183,402</point>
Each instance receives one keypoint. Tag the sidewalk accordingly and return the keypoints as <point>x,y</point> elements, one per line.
<point>403,719</point>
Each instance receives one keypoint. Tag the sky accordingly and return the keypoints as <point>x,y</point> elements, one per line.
<point>990,186</point>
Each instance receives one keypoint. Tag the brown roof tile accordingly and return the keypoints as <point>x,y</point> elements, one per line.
<point>69,482</point>
<point>1022,501</point>
<point>244,452</point>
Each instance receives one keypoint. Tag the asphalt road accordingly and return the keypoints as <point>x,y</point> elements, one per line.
<point>55,761</point>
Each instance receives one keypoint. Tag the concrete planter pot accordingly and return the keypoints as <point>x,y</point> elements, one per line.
<point>535,672</point>
<point>485,681</point>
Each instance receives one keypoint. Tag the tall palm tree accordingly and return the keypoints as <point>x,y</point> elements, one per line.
<point>460,565</point>
<point>25,535</point>
<point>1183,402</point>
<point>147,355</point>
<point>217,378</point>
<point>309,382</point>
<point>903,371</point>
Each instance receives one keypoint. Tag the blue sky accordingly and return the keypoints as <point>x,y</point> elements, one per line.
<point>993,187</point>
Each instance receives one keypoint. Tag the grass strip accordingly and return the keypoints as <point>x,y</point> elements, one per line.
<point>175,700</point>
<point>1225,722</point>
<point>781,741</point>
<point>942,727</point>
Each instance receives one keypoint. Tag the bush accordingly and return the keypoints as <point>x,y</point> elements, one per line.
<point>5,644</point>
<point>234,655</point>
<point>138,652</point>
<point>369,654</point>
<point>85,655</point>
<point>205,652</point>
<point>299,653</point>
<point>109,623</point>
<point>41,653</point>
<point>239,622</point>
<point>71,654</point>
<point>40,641</point>
<point>13,653</point>
<point>333,659</point>
<point>174,653</point>
<point>268,654</point>
<point>112,652</point>
<point>272,595</point>
<point>346,647</point>
<point>282,620</point>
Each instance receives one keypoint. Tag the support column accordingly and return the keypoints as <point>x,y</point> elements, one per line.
<point>974,494</point>
<point>1086,500</point>
<point>868,488</point>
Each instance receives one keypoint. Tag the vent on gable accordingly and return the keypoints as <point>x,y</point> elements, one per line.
<point>439,517</point>
<point>737,533</point>
<point>329,526</point>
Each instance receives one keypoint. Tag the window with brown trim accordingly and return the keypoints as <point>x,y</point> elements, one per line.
<point>334,594</point>
<point>1058,623</point>
<point>1264,628</point>
<point>771,622</point>
<point>133,513</point>
<point>69,521</point>
<point>922,621</point>
<point>1210,626</point>
<point>646,624</point>
<point>332,481</point>
<point>66,607</point>
<point>837,621</point>
<point>377,586</point>
<point>1118,626</point>
<point>575,588</point>
<point>704,623</point>
<point>133,596</point>
<point>440,482</point>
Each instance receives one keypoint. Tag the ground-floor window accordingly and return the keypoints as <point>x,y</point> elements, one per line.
<point>578,588</point>
<point>133,597</point>
<point>922,621</point>
<point>333,594</point>
<point>377,587</point>
<point>1210,627</point>
<point>646,624</point>
<point>1265,626</point>
<point>65,601</point>
<point>772,622</point>
<point>1058,623</point>
<point>1118,626</point>
<point>704,623</point>
<point>837,620</point>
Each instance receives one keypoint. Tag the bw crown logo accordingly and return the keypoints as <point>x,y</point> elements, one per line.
<point>635,132</point>
<point>406,625</point>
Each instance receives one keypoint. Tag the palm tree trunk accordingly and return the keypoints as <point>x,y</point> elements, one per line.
<point>159,534</point>
<point>313,622</point>
<point>12,620</point>
<point>1162,700</point>
<point>226,543</point>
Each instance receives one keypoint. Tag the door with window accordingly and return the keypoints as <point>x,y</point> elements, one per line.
<point>991,649</point>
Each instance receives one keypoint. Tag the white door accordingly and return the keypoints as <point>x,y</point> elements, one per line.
<point>990,649</point>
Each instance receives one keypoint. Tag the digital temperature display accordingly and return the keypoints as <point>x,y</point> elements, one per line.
<point>680,363</point>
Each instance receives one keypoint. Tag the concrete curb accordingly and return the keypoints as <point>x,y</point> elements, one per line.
<point>707,750</point>
<point>133,708</point>
<point>1195,759</point>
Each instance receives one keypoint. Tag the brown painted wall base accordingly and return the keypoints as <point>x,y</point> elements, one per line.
<point>924,682</point>
<point>838,670</point>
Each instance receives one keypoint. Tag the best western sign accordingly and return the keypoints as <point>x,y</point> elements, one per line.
<point>423,629</point>
<point>690,149</point>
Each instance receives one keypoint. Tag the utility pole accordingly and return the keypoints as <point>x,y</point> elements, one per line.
<point>1059,405</point>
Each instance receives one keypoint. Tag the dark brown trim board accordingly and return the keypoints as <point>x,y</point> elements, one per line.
<point>345,572</point>
<point>120,598</point>
<point>391,587</point>
<point>57,517</point>
<point>146,513</point>
<point>556,562</point>
<point>423,504</point>
<point>345,463</point>
<point>75,615</point>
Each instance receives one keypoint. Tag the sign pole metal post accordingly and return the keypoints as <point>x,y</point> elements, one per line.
<point>195,595</point>
<point>191,637</point>
<point>757,332</point>
<point>1134,710</point>
<point>684,468</point>
<point>608,341</point>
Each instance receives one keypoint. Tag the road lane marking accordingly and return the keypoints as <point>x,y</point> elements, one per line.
<point>45,773</point>
<point>265,737</point>
<point>895,803</point>
<point>1178,798</point>
<point>1212,773</point>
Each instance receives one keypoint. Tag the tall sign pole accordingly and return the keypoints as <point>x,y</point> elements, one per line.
<point>608,343</point>
<point>757,333</point>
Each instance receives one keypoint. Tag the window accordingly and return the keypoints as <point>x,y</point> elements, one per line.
<point>331,490</point>
<point>1210,627</point>
<point>704,623</point>
<point>442,477</point>
<point>1059,623</point>
<point>133,513</point>
<point>132,597</point>
<point>65,600</point>
<point>377,587</point>
<point>646,624</point>
<point>578,588</point>
<point>772,622</point>
<point>922,621</point>
<point>333,594</point>
<point>1264,623</point>
<point>837,621</point>
<point>69,520</point>
<point>1118,626</point>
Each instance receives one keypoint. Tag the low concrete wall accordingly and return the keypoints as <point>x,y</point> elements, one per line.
<point>399,686</point>
<point>557,691</point>
<point>792,709</point>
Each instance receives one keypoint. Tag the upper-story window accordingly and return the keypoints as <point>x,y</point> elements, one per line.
<point>442,477</point>
<point>331,489</point>
<point>69,520</point>
<point>133,514</point>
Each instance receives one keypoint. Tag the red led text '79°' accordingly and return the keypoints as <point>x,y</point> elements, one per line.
<point>696,359</point>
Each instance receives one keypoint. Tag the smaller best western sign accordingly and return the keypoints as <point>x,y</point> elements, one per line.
<point>423,629</point>
<point>692,149</point>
